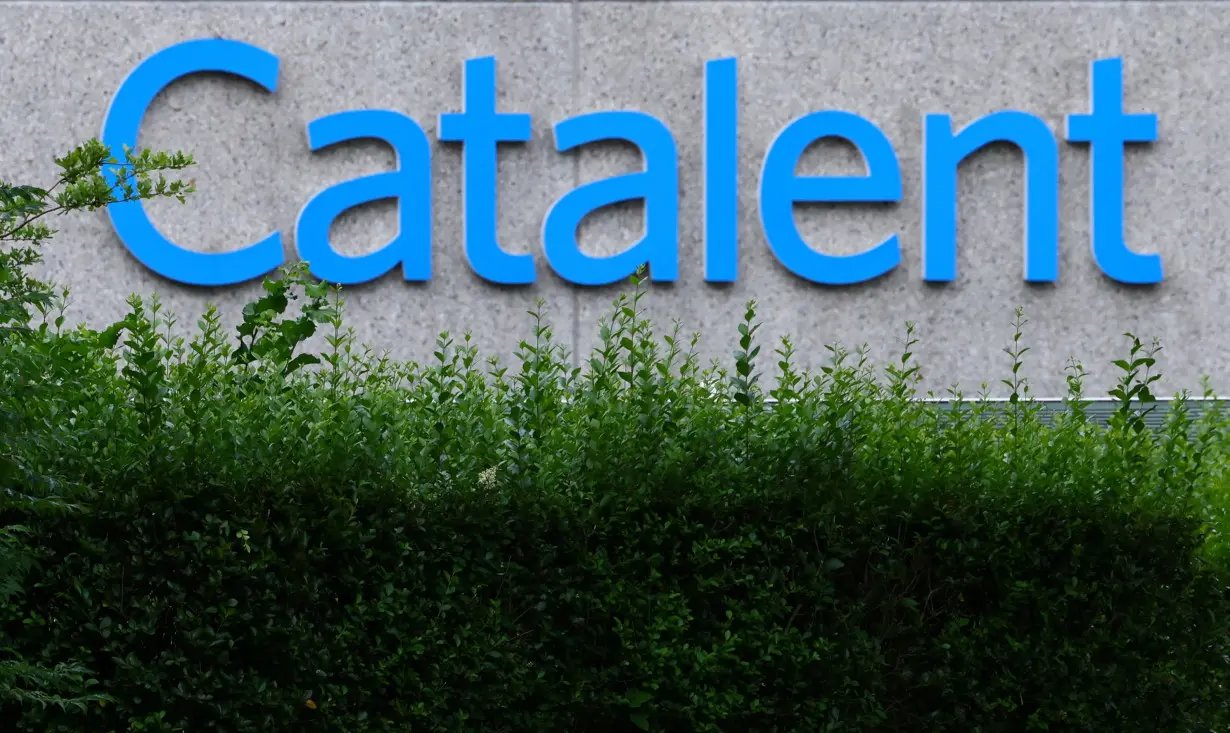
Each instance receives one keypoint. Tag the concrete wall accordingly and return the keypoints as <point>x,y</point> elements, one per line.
<point>61,62</point>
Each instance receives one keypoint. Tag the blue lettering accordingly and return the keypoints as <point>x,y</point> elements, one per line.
<point>721,171</point>
<point>942,154</point>
<point>780,188</point>
<point>120,128</point>
<point>410,183</point>
<point>658,185</point>
<point>480,129</point>
<point>1106,128</point>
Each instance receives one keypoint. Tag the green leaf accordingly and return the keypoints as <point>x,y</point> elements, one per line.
<point>637,698</point>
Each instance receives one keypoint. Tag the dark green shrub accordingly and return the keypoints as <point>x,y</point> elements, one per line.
<point>35,363</point>
<point>270,539</point>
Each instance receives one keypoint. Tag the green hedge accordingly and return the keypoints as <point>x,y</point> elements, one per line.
<point>271,541</point>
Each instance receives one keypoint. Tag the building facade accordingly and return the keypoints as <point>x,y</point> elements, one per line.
<point>849,166</point>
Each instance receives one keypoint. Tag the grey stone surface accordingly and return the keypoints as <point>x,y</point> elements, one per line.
<point>255,169</point>
<point>892,62</point>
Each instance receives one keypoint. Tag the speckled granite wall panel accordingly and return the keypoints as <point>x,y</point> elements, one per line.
<point>60,64</point>
<point>891,62</point>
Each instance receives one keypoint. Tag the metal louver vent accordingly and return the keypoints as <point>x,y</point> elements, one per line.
<point>1097,410</point>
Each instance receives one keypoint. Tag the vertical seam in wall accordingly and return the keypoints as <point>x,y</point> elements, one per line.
<point>576,168</point>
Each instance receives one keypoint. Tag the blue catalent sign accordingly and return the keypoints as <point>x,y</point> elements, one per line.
<point>479,128</point>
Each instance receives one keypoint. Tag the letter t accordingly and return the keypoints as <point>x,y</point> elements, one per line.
<point>1106,128</point>
<point>480,129</point>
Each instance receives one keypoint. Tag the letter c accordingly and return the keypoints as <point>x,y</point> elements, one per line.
<point>120,128</point>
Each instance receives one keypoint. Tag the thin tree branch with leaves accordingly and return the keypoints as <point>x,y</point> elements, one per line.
<point>90,178</point>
